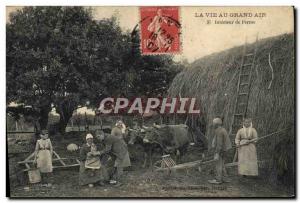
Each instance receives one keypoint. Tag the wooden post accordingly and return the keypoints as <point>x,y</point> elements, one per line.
<point>79,122</point>
<point>86,123</point>
<point>101,122</point>
<point>16,125</point>
<point>72,124</point>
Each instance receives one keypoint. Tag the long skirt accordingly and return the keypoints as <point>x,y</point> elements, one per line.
<point>247,164</point>
<point>125,162</point>
<point>44,161</point>
<point>89,176</point>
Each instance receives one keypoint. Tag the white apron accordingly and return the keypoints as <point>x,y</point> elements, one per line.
<point>247,156</point>
<point>44,157</point>
<point>93,162</point>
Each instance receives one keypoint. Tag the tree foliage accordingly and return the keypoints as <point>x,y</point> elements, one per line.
<point>61,57</point>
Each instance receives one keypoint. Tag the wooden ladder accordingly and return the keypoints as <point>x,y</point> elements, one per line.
<point>243,90</point>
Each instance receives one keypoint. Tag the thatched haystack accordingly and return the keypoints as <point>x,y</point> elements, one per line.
<point>213,81</point>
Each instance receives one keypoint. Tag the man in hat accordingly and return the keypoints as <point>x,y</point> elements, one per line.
<point>119,151</point>
<point>221,143</point>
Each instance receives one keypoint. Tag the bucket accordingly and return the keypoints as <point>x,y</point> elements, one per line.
<point>34,175</point>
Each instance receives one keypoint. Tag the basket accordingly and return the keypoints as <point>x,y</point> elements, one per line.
<point>34,175</point>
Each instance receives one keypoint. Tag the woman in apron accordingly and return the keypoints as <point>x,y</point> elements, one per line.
<point>247,157</point>
<point>91,170</point>
<point>43,157</point>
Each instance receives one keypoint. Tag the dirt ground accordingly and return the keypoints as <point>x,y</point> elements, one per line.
<point>140,182</point>
<point>146,183</point>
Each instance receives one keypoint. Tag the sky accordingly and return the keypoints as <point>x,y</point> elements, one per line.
<point>199,38</point>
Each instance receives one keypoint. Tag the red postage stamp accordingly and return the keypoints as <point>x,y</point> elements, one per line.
<point>160,30</point>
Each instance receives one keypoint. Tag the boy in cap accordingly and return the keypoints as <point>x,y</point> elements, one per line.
<point>221,143</point>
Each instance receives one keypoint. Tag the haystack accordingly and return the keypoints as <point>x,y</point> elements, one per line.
<point>213,81</point>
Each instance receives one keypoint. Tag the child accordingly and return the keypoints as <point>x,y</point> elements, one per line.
<point>92,161</point>
<point>43,157</point>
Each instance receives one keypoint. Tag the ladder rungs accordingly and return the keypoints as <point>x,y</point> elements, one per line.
<point>245,82</point>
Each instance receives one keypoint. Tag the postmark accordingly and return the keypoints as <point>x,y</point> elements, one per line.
<point>160,30</point>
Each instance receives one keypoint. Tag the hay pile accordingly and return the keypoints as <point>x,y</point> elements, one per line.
<point>211,78</point>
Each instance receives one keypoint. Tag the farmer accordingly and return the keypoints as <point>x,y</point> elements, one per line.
<point>221,143</point>
<point>91,170</point>
<point>43,157</point>
<point>118,149</point>
<point>245,140</point>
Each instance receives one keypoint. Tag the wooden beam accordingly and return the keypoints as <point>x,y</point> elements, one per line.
<point>30,156</point>
<point>31,161</point>
<point>187,165</point>
<point>66,166</point>
<point>54,167</point>
<point>27,159</point>
<point>231,164</point>
<point>27,166</point>
<point>61,161</point>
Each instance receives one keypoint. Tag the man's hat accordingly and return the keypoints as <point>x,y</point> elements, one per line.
<point>217,121</point>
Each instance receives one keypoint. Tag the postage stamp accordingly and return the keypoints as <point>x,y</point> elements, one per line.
<point>160,30</point>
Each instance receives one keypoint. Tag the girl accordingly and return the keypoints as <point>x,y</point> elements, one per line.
<point>43,157</point>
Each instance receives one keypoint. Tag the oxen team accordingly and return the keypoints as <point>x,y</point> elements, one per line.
<point>168,139</point>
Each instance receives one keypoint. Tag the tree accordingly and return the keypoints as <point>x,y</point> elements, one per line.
<point>61,57</point>
<point>46,53</point>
